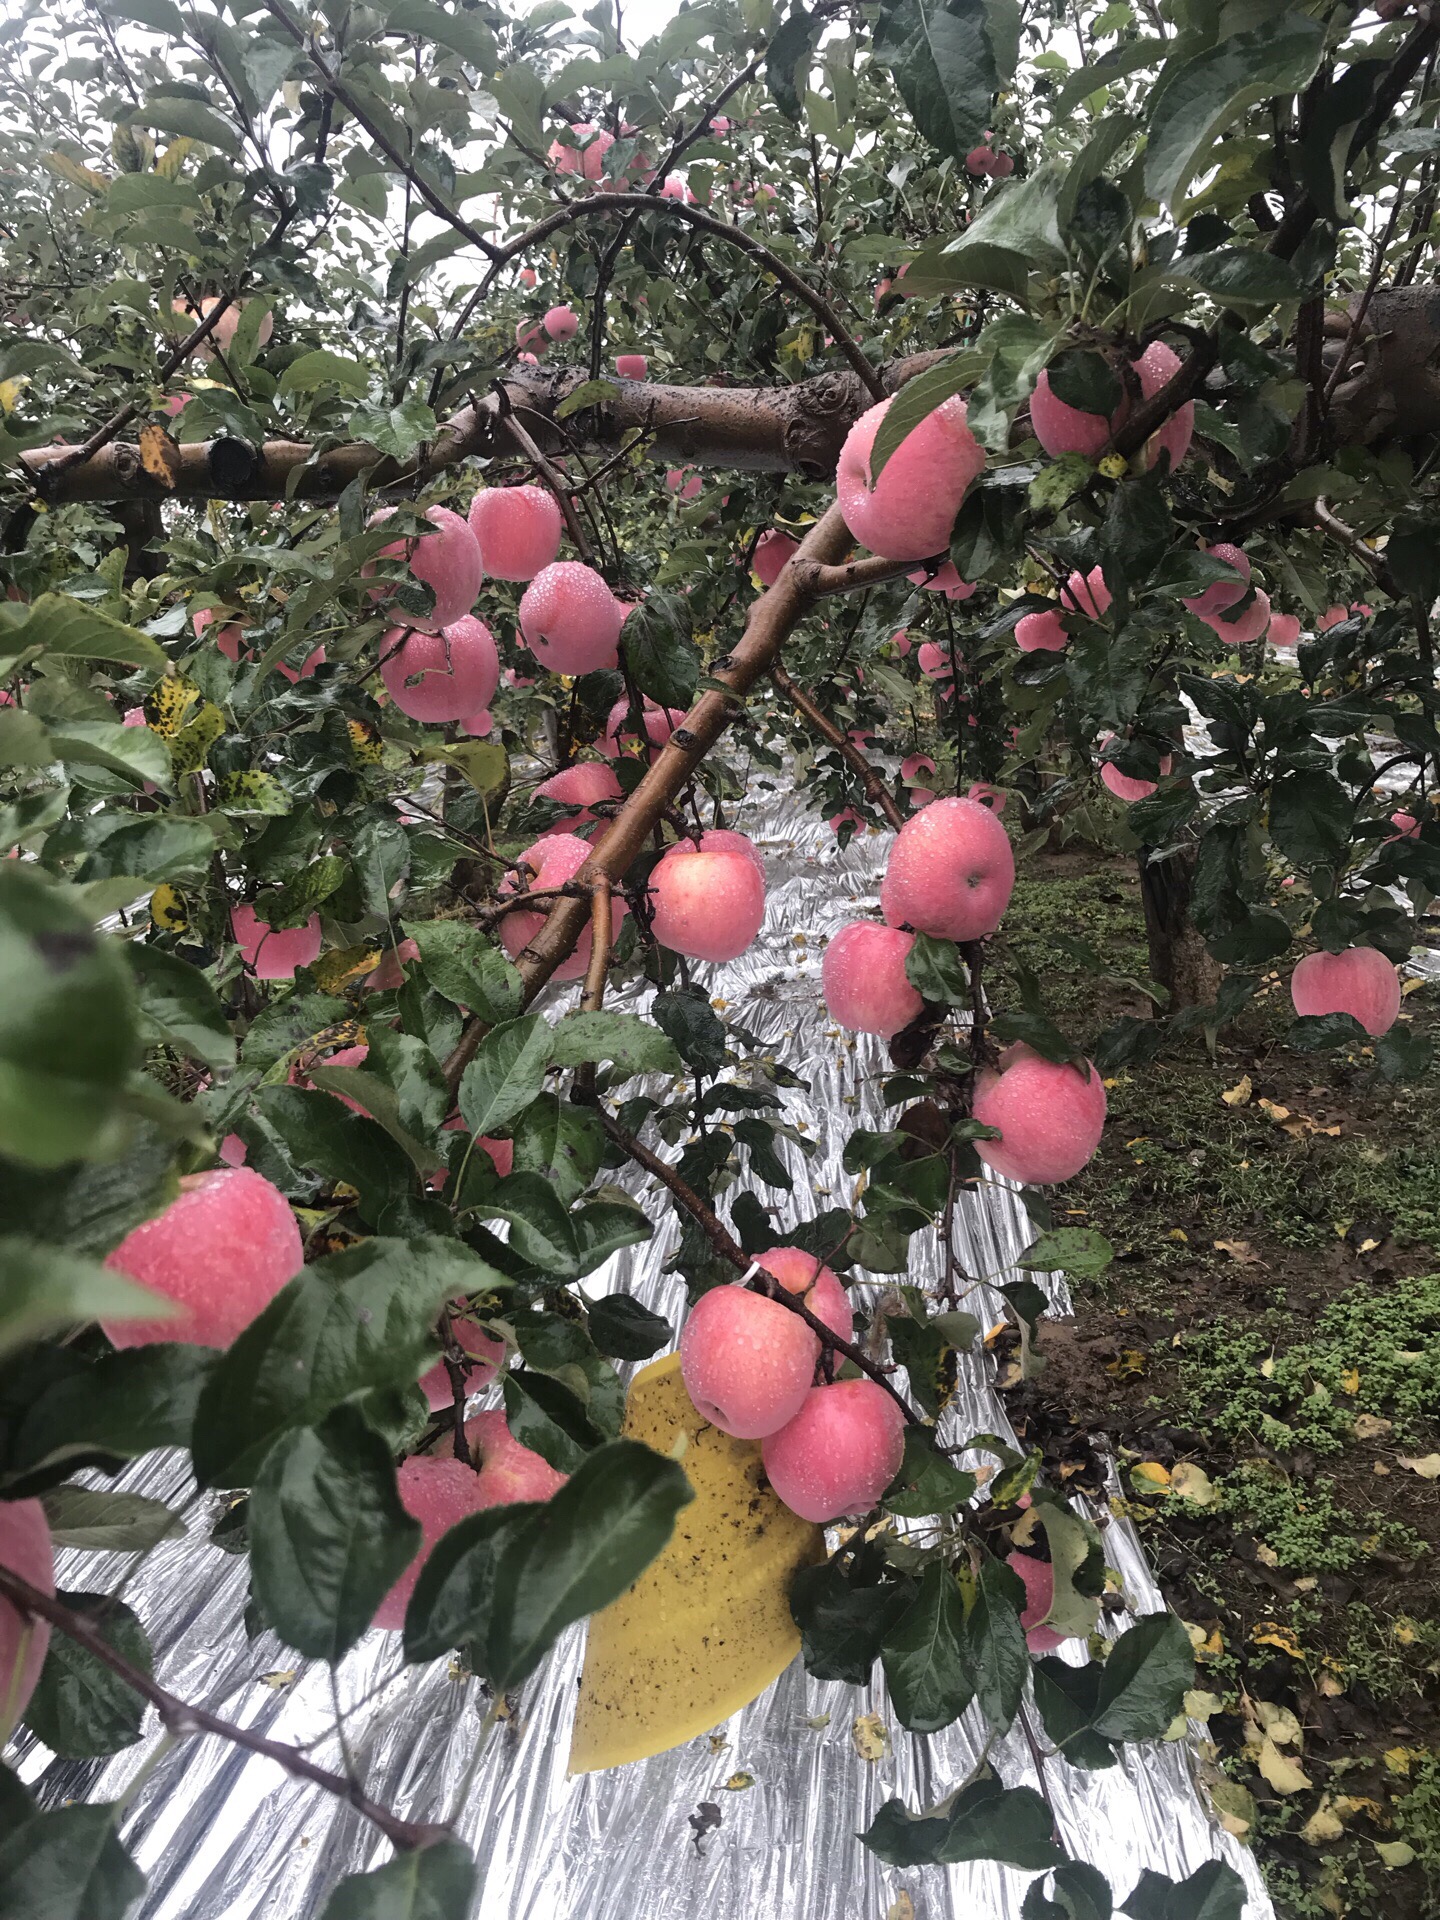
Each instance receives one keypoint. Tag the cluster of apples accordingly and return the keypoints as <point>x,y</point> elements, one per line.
<point>749,1366</point>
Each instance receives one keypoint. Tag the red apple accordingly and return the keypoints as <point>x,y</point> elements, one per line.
<point>951,872</point>
<point>908,513</point>
<point>438,677</point>
<point>864,982</point>
<point>707,902</point>
<point>1359,981</point>
<point>1050,1117</point>
<point>270,955</point>
<point>570,620</point>
<point>447,561</point>
<point>517,529</point>
<point>747,1362</point>
<point>839,1452</point>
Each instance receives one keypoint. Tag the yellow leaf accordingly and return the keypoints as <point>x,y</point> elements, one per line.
<point>168,909</point>
<point>1234,1804</point>
<point>902,1907</point>
<point>1178,1233</point>
<point>332,970</point>
<point>1350,1380</point>
<point>1395,1853</point>
<point>282,1677</point>
<point>159,455</point>
<point>1324,1824</point>
<point>1397,1759</point>
<point>1427,1465</point>
<point>1239,1094</point>
<point>1240,1251</point>
<point>1194,1484</point>
<point>1279,1770</point>
<point>707,1626</point>
<point>1200,1705</point>
<point>169,163</point>
<point>1274,1110</point>
<point>869,1737</point>
<point>1151,1474</point>
<point>1129,1365</point>
<point>10,392</point>
<point>1279,1722</point>
<point>1267,1634</point>
<point>738,1782</point>
<point>1370,1426</point>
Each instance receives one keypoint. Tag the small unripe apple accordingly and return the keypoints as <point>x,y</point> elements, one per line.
<point>270,955</point>
<point>1086,593</point>
<point>747,1362</point>
<point>447,561</point>
<point>221,1251</point>
<point>632,366</point>
<point>945,579</point>
<point>908,513</point>
<point>804,1275</point>
<point>1359,981</point>
<point>1050,1117</point>
<point>555,858</point>
<point>1041,633</point>
<point>708,902</point>
<point>772,550</point>
<point>26,1551</point>
<point>439,1492</point>
<point>570,620</point>
<point>517,530</point>
<point>437,677</point>
<point>487,1350</point>
<point>583,785</point>
<point>561,323</point>
<point>864,981</point>
<point>951,872</point>
<point>840,1451</point>
<point>1038,1577</point>
<point>508,1470</point>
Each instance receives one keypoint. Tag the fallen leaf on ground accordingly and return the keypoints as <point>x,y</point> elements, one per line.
<point>869,1736</point>
<point>1370,1426</point>
<point>738,1782</point>
<point>1350,1380</point>
<point>1395,1853</point>
<point>1194,1484</point>
<point>902,1907</point>
<point>1239,1094</point>
<point>1150,1474</point>
<point>1267,1634</point>
<point>1241,1251</point>
<point>1279,1770</point>
<point>1279,1722</point>
<point>1427,1465</point>
<point>1324,1824</point>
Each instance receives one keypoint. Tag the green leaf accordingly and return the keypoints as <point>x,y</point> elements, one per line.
<point>328,1534</point>
<point>179,1007</point>
<point>1213,1892</point>
<point>925,1657</point>
<point>698,1032</point>
<point>659,649</point>
<point>926,1482</point>
<point>136,753</point>
<point>1078,1250</point>
<point>348,1324</point>
<point>455,1592</point>
<point>632,1043</point>
<point>48,1290</point>
<point>467,968</point>
<point>788,60</point>
<point>843,1622</point>
<point>919,398</point>
<point>1019,348</point>
<point>506,1074</point>
<point>105,1522</point>
<point>67,1023</point>
<point>1081,1892</point>
<point>562,1144</point>
<point>332,1143</point>
<point>191,119</point>
<point>1318,1032</point>
<point>619,1325</point>
<point>1112,66</point>
<point>397,432</point>
<point>321,368</point>
<point>1143,1682</point>
<point>1311,815</point>
<point>1403,1055</point>
<point>1262,936</point>
<point>62,628</point>
<point>462,32</point>
<point>544,1415</point>
<point>1243,277</point>
<point>67,1864</point>
<point>942,62</point>
<point>936,971</point>
<point>110,1410</point>
<point>983,1821</point>
<point>436,1882</point>
<point>80,1707</point>
<point>995,1642</point>
<point>1198,97</point>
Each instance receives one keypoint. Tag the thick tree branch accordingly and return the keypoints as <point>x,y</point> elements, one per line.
<point>180,1719</point>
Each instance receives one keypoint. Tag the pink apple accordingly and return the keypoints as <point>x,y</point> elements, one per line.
<point>26,1551</point>
<point>583,785</point>
<point>439,1492</point>
<point>1222,593</point>
<point>659,722</point>
<point>1406,825</point>
<point>1041,633</point>
<point>230,639</point>
<point>945,579</point>
<point>934,660</point>
<point>561,323</point>
<point>389,974</point>
<point>1002,166</point>
<point>687,486</point>
<point>221,1251</point>
<point>979,161</point>
<point>772,550</point>
<point>988,796</point>
<point>1246,625</point>
<point>1122,785</point>
<point>707,903</point>
<point>528,277</point>
<point>488,1352</point>
<point>517,529</point>
<point>586,158</point>
<point>913,765</point>
<point>908,513</point>
<point>176,403</point>
<point>508,1470</point>
<point>1061,428</point>
<point>1050,1117</point>
<point>233,1151</point>
<point>1284,631</point>
<point>570,620</point>
<point>305,671</point>
<point>747,1362</point>
<point>1086,593</point>
<point>438,677</point>
<point>270,955</point>
<point>803,1274</point>
<point>674,188</point>
<point>864,982</point>
<point>840,1451</point>
<point>447,561</point>
<point>900,640</point>
<point>555,858</point>
<point>1157,366</point>
<point>846,818</point>
<point>632,366</point>
<point>951,872</point>
<point>1038,1577</point>
<point>1359,981</point>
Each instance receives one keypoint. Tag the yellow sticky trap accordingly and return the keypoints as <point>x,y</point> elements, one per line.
<point>707,1626</point>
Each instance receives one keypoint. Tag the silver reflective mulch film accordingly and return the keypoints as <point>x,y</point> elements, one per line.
<point>223,1835</point>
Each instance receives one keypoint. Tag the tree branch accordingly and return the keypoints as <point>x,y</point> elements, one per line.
<point>874,786</point>
<point>181,1720</point>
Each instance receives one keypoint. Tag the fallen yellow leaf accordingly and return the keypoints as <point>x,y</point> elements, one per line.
<point>1350,1380</point>
<point>1395,1853</point>
<point>1427,1465</point>
<point>1267,1634</point>
<point>1324,1824</point>
<point>1239,1094</point>
<point>1240,1251</point>
<point>1279,1770</point>
<point>1151,1473</point>
<point>1194,1484</point>
<point>1370,1426</point>
<point>738,1782</point>
<point>870,1739</point>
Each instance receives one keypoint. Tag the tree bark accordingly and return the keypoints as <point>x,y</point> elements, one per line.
<point>1179,959</point>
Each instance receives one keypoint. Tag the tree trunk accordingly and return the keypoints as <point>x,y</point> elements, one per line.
<point>1179,959</point>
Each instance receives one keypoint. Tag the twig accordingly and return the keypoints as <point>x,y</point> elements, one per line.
<point>714,1229</point>
<point>874,786</point>
<point>593,997</point>
<point>548,472</point>
<point>1330,522</point>
<point>181,1720</point>
<point>1357,319</point>
<point>856,576</point>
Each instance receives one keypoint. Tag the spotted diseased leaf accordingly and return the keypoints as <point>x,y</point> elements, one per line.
<point>252,792</point>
